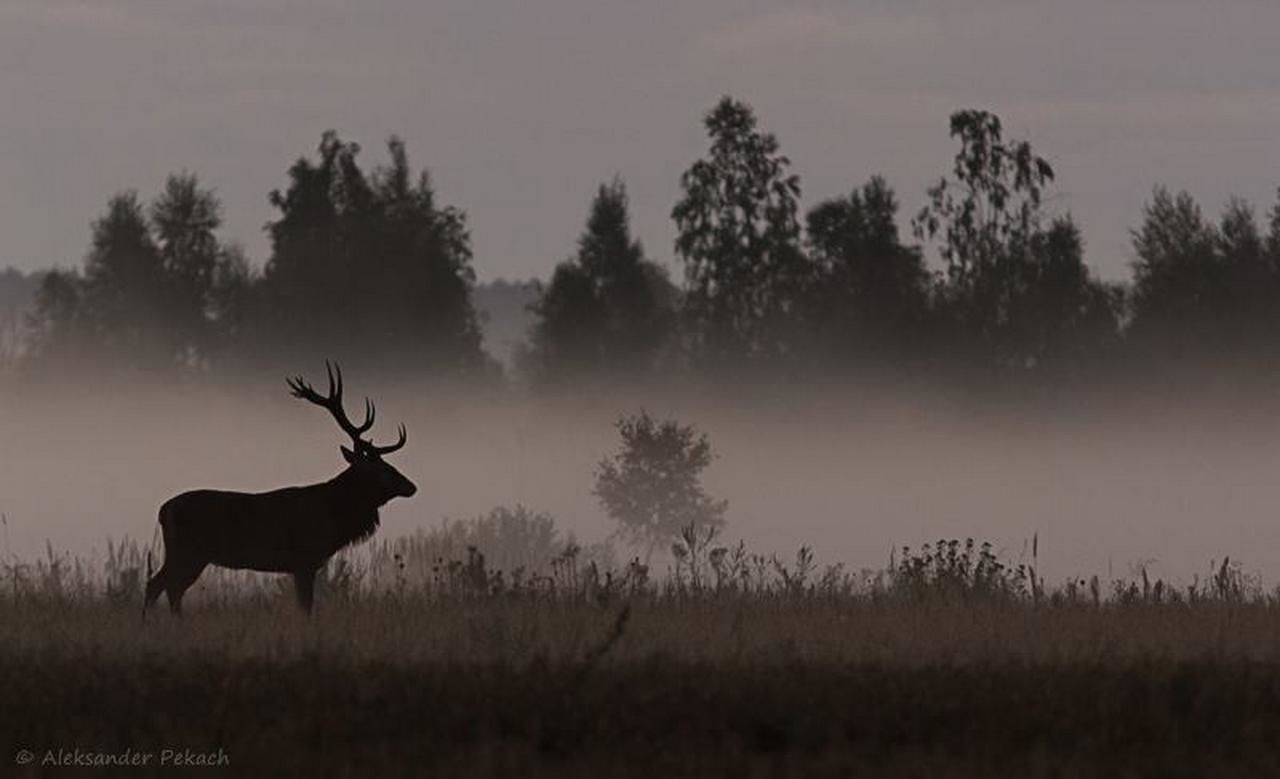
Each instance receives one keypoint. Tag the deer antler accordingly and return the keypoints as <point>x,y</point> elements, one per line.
<point>333,402</point>
<point>381,450</point>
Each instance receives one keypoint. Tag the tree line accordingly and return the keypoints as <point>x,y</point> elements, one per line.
<point>367,266</point>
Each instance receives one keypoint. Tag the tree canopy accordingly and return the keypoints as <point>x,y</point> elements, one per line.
<point>738,233</point>
<point>369,266</point>
<point>607,310</point>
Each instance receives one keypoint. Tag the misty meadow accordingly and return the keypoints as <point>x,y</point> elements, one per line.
<point>856,490</point>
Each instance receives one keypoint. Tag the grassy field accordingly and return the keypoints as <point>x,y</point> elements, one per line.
<point>947,663</point>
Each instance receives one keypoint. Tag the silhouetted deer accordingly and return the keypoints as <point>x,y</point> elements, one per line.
<point>293,530</point>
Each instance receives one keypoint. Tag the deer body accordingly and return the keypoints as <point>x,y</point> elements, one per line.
<point>294,530</point>
<point>281,531</point>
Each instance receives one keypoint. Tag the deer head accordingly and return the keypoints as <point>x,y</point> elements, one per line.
<point>377,479</point>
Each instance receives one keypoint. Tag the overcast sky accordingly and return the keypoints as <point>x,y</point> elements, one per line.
<point>520,108</point>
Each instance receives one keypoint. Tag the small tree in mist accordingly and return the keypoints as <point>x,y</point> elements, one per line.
<point>653,485</point>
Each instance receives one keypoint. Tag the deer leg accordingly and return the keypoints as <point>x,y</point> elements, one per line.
<point>304,583</point>
<point>155,586</point>
<point>180,578</point>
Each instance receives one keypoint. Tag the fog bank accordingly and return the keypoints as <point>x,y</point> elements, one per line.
<point>851,476</point>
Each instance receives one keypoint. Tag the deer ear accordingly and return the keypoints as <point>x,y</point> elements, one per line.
<point>348,455</point>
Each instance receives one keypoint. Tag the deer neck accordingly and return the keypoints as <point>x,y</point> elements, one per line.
<point>353,509</point>
<point>351,493</point>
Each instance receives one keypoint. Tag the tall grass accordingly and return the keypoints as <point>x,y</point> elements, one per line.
<point>498,646</point>
<point>516,553</point>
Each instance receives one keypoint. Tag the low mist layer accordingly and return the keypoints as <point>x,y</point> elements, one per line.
<point>851,476</point>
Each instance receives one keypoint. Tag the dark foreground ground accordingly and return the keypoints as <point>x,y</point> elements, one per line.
<point>385,688</point>
<point>658,718</point>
